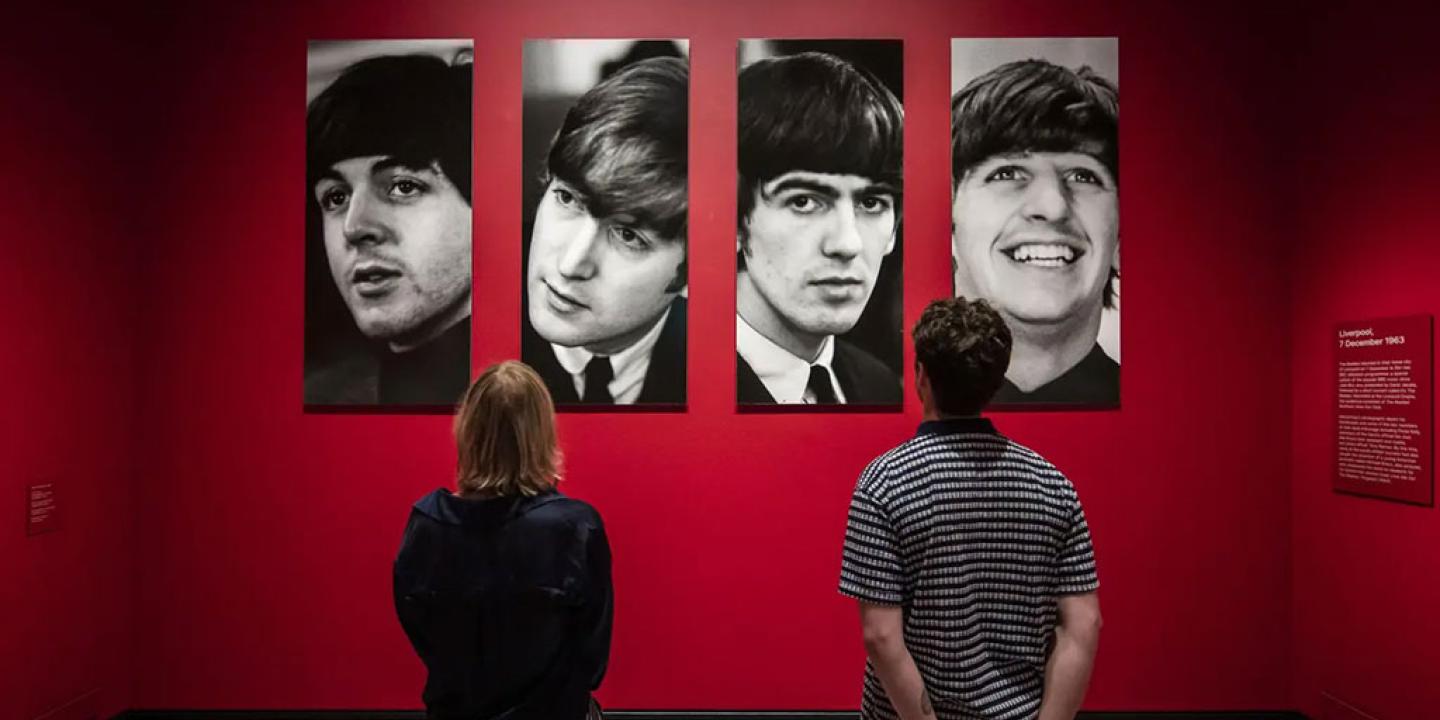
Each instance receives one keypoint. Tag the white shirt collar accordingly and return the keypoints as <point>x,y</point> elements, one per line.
<point>782,373</point>
<point>629,365</point>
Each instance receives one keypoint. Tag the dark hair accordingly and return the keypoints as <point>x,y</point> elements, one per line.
<point>1033,105</point>
<point>1036,106</point>
<point>414,108</point>
<point>815,112</point>
<point>963,347</point>
<point>624,145</point>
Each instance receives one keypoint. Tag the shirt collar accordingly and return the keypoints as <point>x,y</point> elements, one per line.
<point>783,374</point>
<point>448,507</point>
<point>955,426</point>
<point>1080,381</point>
<point>629,365</point>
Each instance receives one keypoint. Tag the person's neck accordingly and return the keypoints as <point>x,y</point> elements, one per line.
<point>1041,353</point>
<point>432,330</point>
<point>929,410</point>
<point>758,314</point>
<point>931,414</point>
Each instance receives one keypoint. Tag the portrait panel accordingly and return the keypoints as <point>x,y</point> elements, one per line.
<point>819,208</point>
<point>388,223</point>
<point>605,231</point>
<point>1035,211</point>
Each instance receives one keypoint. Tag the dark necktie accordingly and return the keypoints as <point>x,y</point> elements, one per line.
<point>820,386</point>
<point>598,375</point>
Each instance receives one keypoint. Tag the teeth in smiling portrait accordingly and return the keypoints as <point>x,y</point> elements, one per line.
<point>1050,255</point>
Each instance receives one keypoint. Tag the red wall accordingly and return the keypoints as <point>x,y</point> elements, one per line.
<point>267,533</point>
<point>1367,572</point>
<point>67,368</point>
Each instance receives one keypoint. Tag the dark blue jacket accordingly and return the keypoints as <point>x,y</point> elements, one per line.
<point>509,604</point>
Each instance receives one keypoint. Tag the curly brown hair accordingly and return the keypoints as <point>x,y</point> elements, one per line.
<point>963,347</point>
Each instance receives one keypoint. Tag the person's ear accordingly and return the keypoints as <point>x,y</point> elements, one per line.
<point>923,391</point>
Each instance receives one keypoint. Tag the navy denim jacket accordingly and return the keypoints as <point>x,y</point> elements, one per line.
<point>509,604</point>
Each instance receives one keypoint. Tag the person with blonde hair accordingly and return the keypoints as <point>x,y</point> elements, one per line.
<point>504,587</point>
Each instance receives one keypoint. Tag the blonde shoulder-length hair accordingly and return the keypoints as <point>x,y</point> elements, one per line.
<point>505,434</point>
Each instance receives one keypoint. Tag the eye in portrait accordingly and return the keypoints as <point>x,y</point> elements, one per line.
<point>1035,217</point>
<point>818,223</point>
<point>388,223</point>
<point>606,167</point>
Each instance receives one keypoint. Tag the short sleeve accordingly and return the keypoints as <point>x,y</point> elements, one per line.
<point>870,568</point>
<point>1076,561</point>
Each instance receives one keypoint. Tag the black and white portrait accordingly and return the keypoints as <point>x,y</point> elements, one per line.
<point>818,262</point>
<point>387,198</point>
<point>1035,213</point>
<point>605,220</point>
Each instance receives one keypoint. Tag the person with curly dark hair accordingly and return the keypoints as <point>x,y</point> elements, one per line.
<point>968,553</point>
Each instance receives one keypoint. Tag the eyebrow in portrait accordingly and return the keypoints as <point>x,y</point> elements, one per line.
<point>793,182</point>
<point>880,188</point>
<point>392,163</point>
<point>823,188</point>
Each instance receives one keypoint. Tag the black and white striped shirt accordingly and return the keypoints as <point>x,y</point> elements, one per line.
<point>976,536</point>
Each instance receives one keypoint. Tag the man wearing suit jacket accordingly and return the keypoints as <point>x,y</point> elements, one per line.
<point>818,209</point>
<point>605,322</point>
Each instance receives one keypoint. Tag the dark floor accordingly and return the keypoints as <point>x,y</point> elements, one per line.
<point>662,715</point>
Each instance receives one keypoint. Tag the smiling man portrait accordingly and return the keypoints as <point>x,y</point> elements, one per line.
<point>819,210</point>
<point>388,165</point>
<point>1036,225</point>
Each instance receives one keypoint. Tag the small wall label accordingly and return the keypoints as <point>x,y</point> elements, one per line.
<point>40,505</point>
<point>1384,422</point>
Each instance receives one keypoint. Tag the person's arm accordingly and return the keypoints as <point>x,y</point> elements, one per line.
<point>409,579</point>
<point>884,629</point>
<point>1067,672</point>
<point>598,615</point>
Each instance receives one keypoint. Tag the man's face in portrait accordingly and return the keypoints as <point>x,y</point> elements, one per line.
<point>600,283</point>
<point>398,242</point>
<point>812,247</point>
<point>1036,234</point>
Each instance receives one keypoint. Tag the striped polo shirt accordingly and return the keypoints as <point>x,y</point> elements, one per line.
<point>976,536</point>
